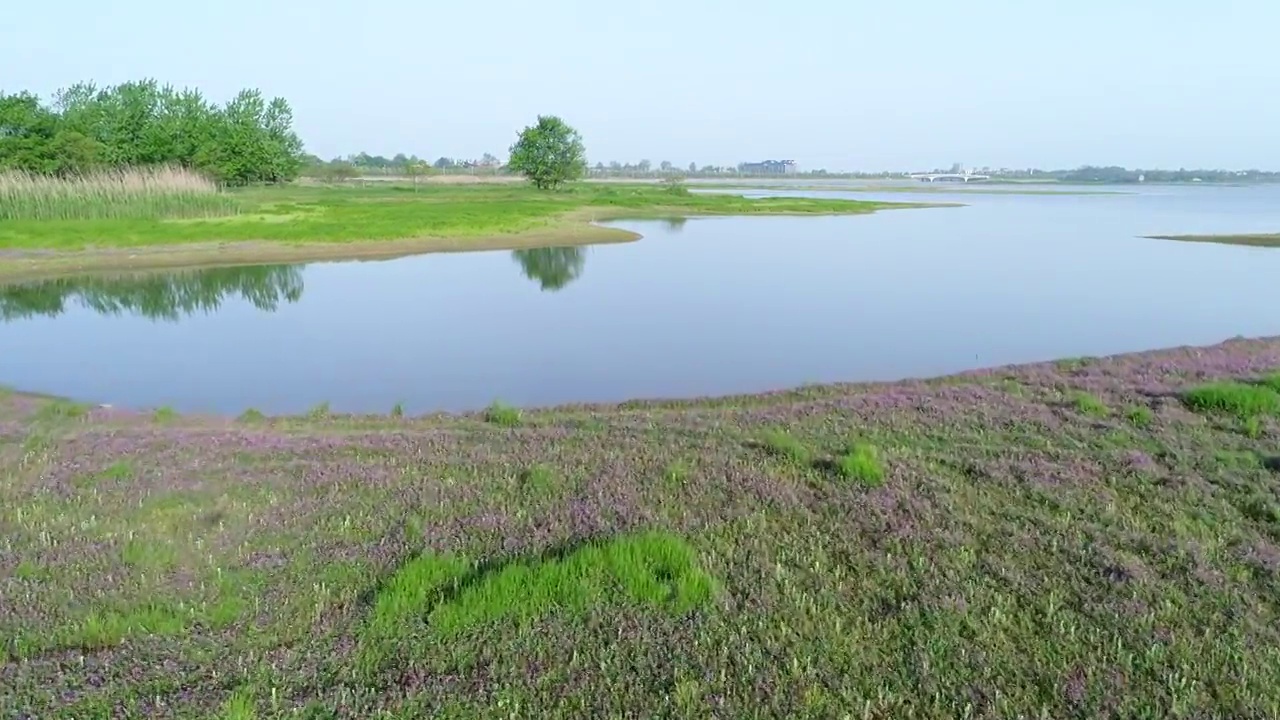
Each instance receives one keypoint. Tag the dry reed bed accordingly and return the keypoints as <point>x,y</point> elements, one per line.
<point>128,193</point>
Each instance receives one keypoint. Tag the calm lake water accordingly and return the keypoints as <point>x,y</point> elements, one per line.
<point>701,307</point>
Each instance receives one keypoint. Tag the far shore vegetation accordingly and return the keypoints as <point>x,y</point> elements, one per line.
<point>140,175</point>
<point>1249,239</point>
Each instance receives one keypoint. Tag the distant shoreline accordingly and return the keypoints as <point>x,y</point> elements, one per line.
<point>1245,239</point>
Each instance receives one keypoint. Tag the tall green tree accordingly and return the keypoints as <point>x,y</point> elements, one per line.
<point>549,153</point>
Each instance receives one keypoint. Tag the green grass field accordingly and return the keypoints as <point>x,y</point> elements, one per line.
<point>300,214</point>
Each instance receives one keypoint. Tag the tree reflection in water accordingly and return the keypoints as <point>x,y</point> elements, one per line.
<point>158,296</point>
<point>554,267</point>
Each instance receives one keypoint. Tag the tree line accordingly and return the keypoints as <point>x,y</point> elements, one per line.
<point>249,139</point>
<point>363,164</point>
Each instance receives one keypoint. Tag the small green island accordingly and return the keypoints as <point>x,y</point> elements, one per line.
<point>1246,239</point>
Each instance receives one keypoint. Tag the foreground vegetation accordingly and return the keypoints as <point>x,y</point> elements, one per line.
<point>1088,538</point>
<point>1253,240</point>
<point>377,219</point>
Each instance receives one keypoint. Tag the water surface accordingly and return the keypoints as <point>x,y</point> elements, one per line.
<point>705,306</point>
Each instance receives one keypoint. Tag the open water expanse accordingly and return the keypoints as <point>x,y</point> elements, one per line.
<point>707,306</point>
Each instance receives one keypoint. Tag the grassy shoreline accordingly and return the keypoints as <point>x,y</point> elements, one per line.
<point>918,188</point>
<point>1096,537</point>
<point>300,223</point>
<point>1245,239</point>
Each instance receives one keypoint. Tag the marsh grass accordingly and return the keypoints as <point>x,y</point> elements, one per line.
<point>117,472</point>
<point>61,409</point>
<point>149,554</point>
<point>1243,400</point>
<point>861,463</point>
<point>1252,427</point>
<point>131,193</point>
<point>502,415</point>
<point>164,414</point>
<point>782,444</point>
<point>654,568</point>
<point>677,474</point>
<point>538,479</point>
<point>239,706</point>
<point>1089,404</point>
<point>1271,380</point>
<point>1140,416</point>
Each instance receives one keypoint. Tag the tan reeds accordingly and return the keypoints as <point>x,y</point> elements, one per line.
<point>126,193</point>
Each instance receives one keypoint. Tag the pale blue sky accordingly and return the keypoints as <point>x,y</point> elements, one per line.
<point>837,84</point>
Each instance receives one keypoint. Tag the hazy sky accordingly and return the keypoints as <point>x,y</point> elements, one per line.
<point>841,84</point>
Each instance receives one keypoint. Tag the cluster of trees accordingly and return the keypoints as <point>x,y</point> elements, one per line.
<point>249,139</point>
<point>364,164</point>
<point>645,168</point>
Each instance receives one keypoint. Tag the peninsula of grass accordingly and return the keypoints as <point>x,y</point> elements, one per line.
<point>97,223</point>
<point>1248,239</point>
<point>987,545</point>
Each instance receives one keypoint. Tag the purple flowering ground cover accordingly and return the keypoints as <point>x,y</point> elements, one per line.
<point>1087,538</point>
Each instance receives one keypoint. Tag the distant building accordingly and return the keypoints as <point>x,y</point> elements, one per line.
<point>769,167</point>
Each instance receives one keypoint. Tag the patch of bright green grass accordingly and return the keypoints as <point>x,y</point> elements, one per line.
<point>149,554</point>
<point>119,471</point>
<point>1252,427</point>
<point>452,594</point>
<point>319,412</point>
<point>537,479</point>
<point>239,706</point>
<point>1244,400</point>
<point>27,570</point>
<point>502,415</point>
<point>861,463</point>
<point>676,474</point>
<point>251,415</point>
<point>109,628</point>
<point>1074,363</point>
<point>1271,380</point>
<point>164,414</point>
<point>1140,416</point>
<point>784,445</point>
<point>60,409</point>
<point>1088,404</point>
